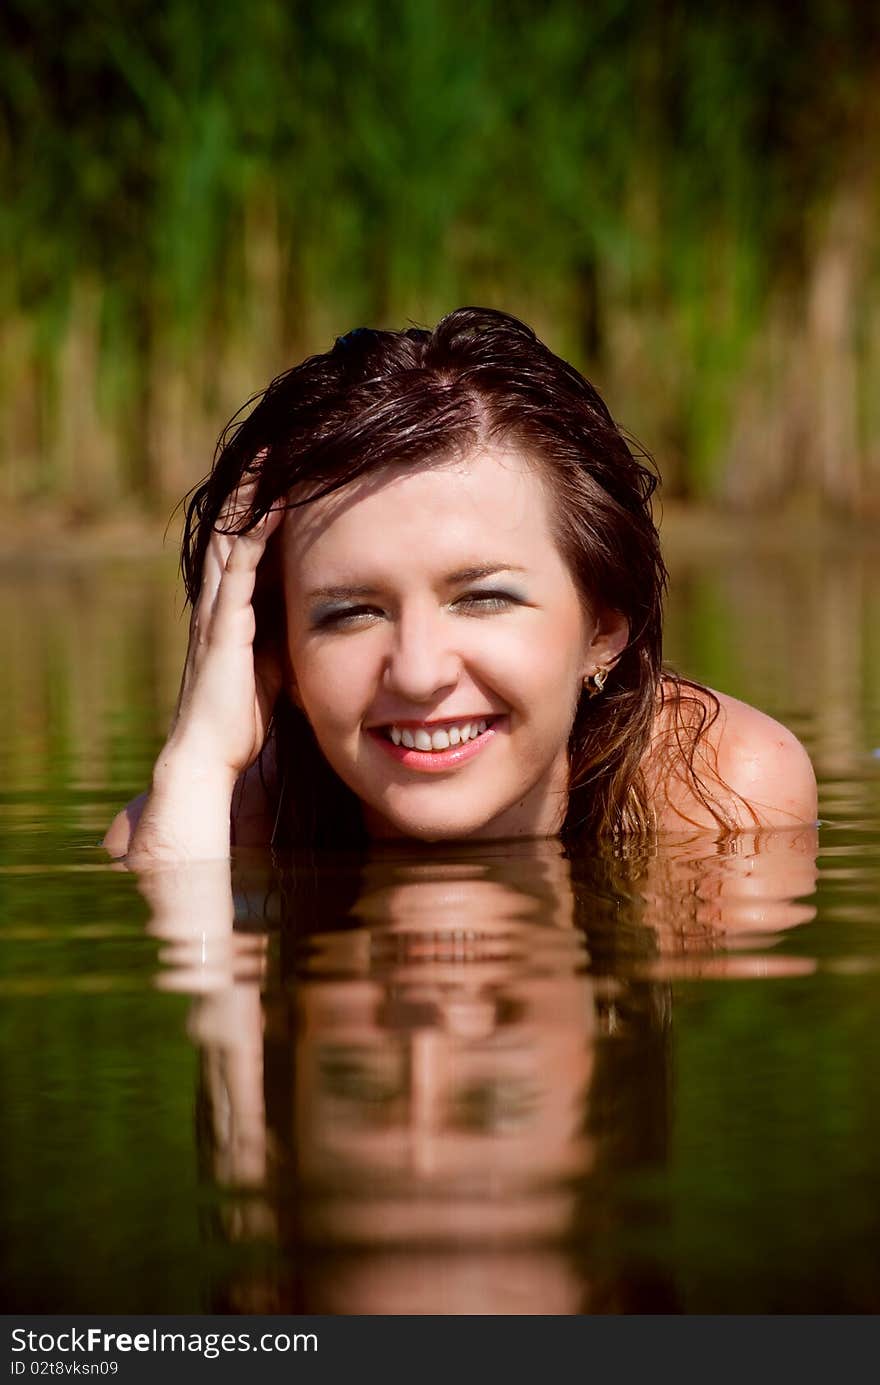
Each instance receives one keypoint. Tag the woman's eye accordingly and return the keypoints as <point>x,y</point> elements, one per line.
<point>346,616</point>
<point>486,602</point>
<point>351,617</point>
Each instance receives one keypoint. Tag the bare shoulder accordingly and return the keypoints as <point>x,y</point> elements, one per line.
<point>120,831</point>
<point>766,764</point>
<point>748,764</point>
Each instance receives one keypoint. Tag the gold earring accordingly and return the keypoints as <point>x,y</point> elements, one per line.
<point>594,683</point>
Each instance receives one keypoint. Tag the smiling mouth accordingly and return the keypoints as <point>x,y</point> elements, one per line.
<point>440,737</point>
<point>442,745</point>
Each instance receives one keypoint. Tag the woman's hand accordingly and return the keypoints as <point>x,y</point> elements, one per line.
<point>224,708</point>
<point>227,692</point>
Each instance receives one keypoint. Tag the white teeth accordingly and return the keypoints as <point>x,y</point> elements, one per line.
<point>437,740</point>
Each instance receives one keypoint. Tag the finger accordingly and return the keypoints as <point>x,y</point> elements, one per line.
<point>233,513</point>
<point>247,549</point>
<point>240,500</point>
<point>231,521</point>
<point>203,612</point>
<point>236,508</point>
<point>213,567</point>
<point>236,588</point>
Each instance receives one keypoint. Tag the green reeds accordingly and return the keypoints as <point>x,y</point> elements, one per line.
<point>678,196</point>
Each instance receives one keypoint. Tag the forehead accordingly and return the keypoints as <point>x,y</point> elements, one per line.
<point>487,504</point>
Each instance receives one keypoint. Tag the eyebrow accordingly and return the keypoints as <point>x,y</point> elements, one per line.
<point>453,579</point>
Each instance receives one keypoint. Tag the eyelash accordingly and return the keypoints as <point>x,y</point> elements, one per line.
<point>485,603</point>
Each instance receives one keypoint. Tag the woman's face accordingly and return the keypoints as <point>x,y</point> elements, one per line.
<point>438,645</point>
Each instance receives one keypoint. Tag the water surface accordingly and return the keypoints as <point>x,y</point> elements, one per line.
<point>463,1081</point>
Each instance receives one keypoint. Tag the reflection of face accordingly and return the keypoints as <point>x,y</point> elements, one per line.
<point>448,1044</point>
<point>427,601</point>
<point>438,1082</point>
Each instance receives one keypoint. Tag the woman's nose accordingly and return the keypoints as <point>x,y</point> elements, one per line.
<point>422,662</point>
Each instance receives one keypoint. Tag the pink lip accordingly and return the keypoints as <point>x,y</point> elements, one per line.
<point>433,761</point>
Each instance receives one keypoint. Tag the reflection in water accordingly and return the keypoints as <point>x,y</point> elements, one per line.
<point>757,1097</point>
<point>439,1082</point>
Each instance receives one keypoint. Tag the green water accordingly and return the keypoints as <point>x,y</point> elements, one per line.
<point>466,1081</point>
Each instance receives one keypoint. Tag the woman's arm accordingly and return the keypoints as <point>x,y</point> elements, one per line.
<point>252,816</point>
<point>223,712</point>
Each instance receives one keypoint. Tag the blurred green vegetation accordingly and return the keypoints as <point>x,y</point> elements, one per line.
<point>679,196</point>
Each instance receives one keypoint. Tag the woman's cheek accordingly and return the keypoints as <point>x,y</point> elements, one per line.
<point>335,688</point>
<point>516,670</point>
<point>504,660</point>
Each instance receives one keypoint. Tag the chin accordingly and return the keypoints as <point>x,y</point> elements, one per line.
<point>431,827</point>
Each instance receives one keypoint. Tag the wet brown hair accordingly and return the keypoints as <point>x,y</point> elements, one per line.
<point>480,377</point>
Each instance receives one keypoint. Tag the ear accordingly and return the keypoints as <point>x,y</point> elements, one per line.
<point>608,641</point>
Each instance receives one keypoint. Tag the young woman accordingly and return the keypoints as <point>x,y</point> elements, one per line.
<point>427,604</point>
